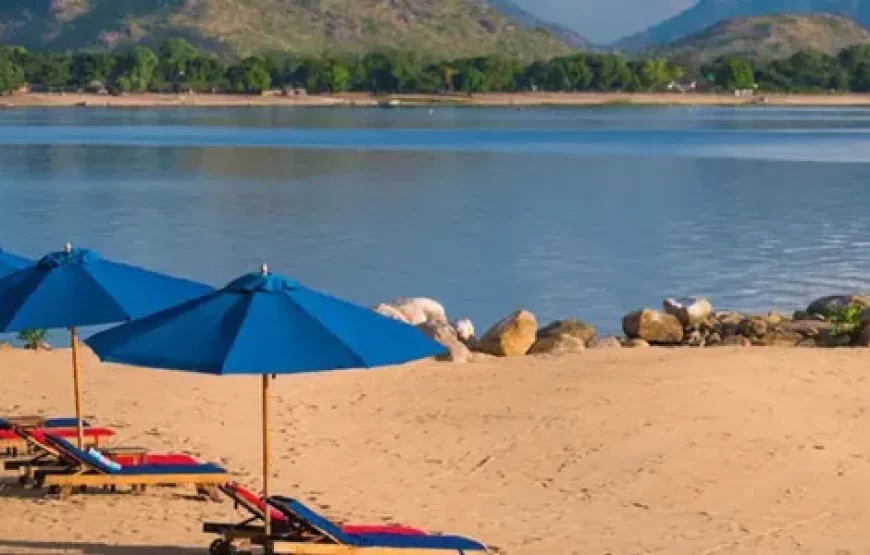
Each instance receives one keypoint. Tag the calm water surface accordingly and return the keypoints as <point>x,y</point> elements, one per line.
<point>569,212</point>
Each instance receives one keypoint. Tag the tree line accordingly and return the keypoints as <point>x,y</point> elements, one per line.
<point>177,65</point>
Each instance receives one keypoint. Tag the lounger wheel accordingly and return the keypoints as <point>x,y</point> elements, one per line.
<point>222,547</point>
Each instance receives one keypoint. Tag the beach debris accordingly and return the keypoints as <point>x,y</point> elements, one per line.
<point>653,326</point>
<point>447,336</point>
<point>511,336</point>
<point>689,311</point>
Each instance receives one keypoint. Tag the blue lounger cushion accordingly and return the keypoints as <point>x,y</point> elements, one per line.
<point>144,469</point>
<point>51,423</point>
<point>334,531</point>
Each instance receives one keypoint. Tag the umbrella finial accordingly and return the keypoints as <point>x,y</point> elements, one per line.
<point>264,269</point>
<point>67,248</point>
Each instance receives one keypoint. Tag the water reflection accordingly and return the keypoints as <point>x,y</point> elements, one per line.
<point>580,233</point>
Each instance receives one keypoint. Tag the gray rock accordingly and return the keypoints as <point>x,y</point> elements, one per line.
<point>447,336</point>
<point>512,336</point>
<point>636,343</point>
<point>736,341</point>
<point>826,306</point>
<point>609,342</point>
<point>753,327</point>
<point>557,345</point>
<point>575,328</point>
<point>689,311</point>
<point>653,326</point>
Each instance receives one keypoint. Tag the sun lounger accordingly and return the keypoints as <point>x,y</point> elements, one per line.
<point>49,459</point>
<point>12,444</point>
<point>243,532</point>
<point>301,531</point>
<point>90,471</point>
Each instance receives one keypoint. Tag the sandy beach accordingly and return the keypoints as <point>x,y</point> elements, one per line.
<point>696,451</point>
<point>490,99</point>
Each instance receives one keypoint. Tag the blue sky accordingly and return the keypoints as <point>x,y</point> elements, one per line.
<point>605,20</point>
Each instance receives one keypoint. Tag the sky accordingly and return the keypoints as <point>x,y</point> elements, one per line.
<point>605,20</point>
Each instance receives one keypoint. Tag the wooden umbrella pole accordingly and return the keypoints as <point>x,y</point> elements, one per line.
<point>268,518</point>
<point>77,386</point>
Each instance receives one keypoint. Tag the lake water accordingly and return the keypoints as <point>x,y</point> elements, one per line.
<point>585,213</point>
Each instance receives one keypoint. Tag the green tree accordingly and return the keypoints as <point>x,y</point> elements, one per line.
<point>52,70</point>
<point>88,67</point>
<point>11,75</point>
<point>136,70</point>
<point>249,76</point>
<point>732,73</point>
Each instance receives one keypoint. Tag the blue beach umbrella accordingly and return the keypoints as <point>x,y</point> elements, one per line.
<point>77,287</point>
<point>264,324</point>
<point>10,263</point>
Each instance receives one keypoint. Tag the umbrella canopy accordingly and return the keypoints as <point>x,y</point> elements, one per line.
<point>264,324</point>
<point>10,263</point>
<point>77,287</point>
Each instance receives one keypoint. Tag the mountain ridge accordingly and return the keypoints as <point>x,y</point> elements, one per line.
<point>242,27</point>
<point>706,13</point>
<point>768,37</point>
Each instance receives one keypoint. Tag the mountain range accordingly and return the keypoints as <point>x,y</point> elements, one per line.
<point>241,27</point>
<point>707,13</point>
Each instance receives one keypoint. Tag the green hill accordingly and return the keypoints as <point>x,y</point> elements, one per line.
<point>240,27</point>
<point>769,37</point>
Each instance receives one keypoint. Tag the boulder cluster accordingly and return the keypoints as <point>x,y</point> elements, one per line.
<point>833,321</point>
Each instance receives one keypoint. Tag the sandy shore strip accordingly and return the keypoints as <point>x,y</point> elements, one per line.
<point>695,451</point>
<point>489,99</point>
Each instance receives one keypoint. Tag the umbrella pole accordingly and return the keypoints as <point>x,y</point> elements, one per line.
<point>268,518</point>
<point>77,386</point>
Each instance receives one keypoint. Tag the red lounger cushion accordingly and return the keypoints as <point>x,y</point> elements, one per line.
<point>39,433</point>
<point>158,459</point>
<point>382,529</point>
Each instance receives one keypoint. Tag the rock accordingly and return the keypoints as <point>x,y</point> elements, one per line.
<point>735,341</point>
<point>836,303</point>
<point>653,326</point>
<point>807,328</point>
<point>689,311</point>
<point>390,312</point>
<point>773,317</point>
<point>800,315</point>
<point>778,339</point>
<point>862,338</point>
<point>464,329</point>
<point>808,342</point>
<point>753,327</point>
<point>609,342</point>
<point>636,343</point>
<point>713,339</point>
<point>432,310</point>
<point>694,339</point>
<point>446,335</point>
<point>575,328</point>
<point>512,336</point>
<point>557,345</point>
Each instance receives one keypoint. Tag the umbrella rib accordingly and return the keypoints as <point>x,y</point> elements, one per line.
<point>248,300</point>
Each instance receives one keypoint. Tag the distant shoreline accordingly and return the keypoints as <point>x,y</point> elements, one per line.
<point>152,100</point>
